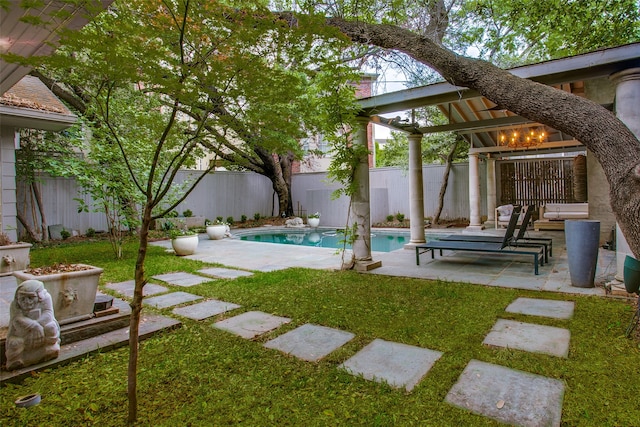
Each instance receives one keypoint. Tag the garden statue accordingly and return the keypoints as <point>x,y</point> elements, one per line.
<point>294,222</point>
<point>34,333</point>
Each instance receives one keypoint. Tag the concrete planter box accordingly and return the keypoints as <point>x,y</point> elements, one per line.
<point>73,293</point>
<point>14,257</point>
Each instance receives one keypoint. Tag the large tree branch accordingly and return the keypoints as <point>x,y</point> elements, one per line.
<point>613,144</point>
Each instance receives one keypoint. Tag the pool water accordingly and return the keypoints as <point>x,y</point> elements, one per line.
<point>324,238</point>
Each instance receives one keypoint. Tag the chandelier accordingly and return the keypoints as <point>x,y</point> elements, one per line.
<point>522,138</point>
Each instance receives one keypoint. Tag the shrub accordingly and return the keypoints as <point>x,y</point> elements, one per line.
<point>390,218</point>
<point>65,234</point>
<point>4,240</point>
<point>400,216</point>
<point>230,220</point>
<point>90,232</point>
<point>219,219</point>
<point>256,216</point>
<point>243,218</point>
<point>187,213</point>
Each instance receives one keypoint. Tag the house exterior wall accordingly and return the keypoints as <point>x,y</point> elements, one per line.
<point>8,182</point>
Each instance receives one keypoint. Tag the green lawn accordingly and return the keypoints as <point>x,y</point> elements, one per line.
<point>201,376</point>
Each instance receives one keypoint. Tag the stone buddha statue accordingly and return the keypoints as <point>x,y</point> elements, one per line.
<point>34,333</point>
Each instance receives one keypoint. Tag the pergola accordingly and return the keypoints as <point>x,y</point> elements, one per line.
<point>610,77</point>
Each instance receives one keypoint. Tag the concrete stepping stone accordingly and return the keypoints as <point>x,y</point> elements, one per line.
<point>542,307</point>
<point>169,300</point>
<point>182,279</point>
<point>507,395</point>
<point>205,309</point>
<point>529,337</point>
<point>310,342</point>
<point>224,273</point>
<point>126,288</point>
<point>251,324</point>
<point>399,365</point>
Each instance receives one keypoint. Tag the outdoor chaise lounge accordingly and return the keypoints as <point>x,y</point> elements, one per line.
<point>487,247</point>
<point>518,240</point>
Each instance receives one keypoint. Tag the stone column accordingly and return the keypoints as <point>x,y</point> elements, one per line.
<point>360,209</point>
<point>627,109</point>
<point>491,189</point>
<point>416,194</point>
<point>474,194</point>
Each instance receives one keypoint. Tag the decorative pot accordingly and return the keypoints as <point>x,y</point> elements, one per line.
<point>313,222</point>
<point>185,245</point>
<point>583,241</point>
<point>631,274</point>
<point>14,257</point>
<point>73,293</point>
<point>216,232</point>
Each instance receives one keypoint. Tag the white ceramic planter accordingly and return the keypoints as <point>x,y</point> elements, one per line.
<point>216,232</point>
<point>313,222</point>
<point>72,293</point>
<point>185,245</point>
<point>14,257</point>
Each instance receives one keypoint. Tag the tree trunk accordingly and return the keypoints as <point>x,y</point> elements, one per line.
<point>43,217</point>
<point>445,181</point>
<point>134,320</point>
<point>615,147</point>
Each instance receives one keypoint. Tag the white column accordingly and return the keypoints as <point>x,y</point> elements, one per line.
<point>474,194</point>
<point>628,111</point>
<point>360,209</point>
<point>491,189</point>
<point>416,194</point>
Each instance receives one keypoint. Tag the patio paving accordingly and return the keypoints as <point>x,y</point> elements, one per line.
<point>126,288</point>
<point>529,337</point>
<point>396,364</point>
<point>182,279</point>
<point>205,309</point>
<point>251,324</point>
<point>169,300</point>
<point>507,395</point>
<point>542,307</point>
<point>310,342</point>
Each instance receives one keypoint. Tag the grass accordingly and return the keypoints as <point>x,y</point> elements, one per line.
<point>201,376</point>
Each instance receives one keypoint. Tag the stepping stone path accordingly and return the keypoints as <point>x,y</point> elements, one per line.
<point>168,300</point>
<point>399,365</point>
<point>507,395</point>
<point>529,337</point>
<point>224,273</point>
<point>251,324</point>
<point>182,279</point>
<point>310,342</point>
<point>205,309</point>
<point>540,307</point>
<point>126,288</point>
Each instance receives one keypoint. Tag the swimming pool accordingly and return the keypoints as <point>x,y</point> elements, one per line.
<point>381,241</point>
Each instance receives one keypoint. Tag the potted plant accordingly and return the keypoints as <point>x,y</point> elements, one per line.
<point>72,287</point>
<point>218,230</point>
<point>313,220</point>
<point>183,240</point>
<point>13,256</point>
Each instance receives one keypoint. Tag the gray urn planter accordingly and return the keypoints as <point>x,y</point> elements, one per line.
<point>73,293</point>
<point>14,257</point>
<point>583,241</point>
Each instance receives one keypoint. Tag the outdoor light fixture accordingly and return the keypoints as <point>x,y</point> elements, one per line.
<point>522,138</point>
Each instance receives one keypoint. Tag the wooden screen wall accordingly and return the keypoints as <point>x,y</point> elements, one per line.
<point>536,181</point>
